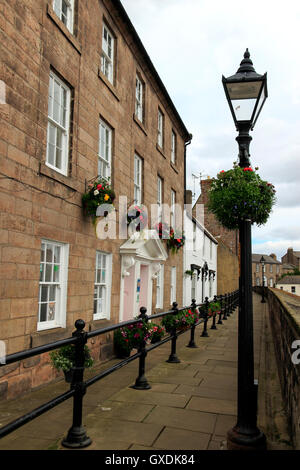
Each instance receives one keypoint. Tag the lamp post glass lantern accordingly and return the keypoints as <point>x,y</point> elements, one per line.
<point>246,93</point>
<point>262,260</point>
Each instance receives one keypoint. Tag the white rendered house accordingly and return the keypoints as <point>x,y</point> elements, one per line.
<point>200,262</point>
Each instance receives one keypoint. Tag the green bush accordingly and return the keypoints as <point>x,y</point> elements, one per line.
<point>64,357</point>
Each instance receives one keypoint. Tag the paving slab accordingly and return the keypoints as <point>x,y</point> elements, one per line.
<point>191,405</point>
<point>193,420</point>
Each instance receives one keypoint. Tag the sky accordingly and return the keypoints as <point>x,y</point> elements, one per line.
<point>192,43</point>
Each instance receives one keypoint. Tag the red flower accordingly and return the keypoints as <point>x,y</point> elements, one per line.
<point>222,171</point>
<point>99,186</point>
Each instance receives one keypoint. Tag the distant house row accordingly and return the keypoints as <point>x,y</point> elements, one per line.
<point>274,269</point>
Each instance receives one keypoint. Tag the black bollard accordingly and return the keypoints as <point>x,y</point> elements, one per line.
<point>173,356</point>
<point>213,326</point>
<point>141,382</point>
<point>221,307</point>
<point>204,333</point>
<point>77,436</point>
<point>192,343</point>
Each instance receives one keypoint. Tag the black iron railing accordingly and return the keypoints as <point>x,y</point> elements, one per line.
<point>77,436</point>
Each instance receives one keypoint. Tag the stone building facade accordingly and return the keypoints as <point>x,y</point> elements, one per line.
<point>292,258</point>
<point>81,97</point>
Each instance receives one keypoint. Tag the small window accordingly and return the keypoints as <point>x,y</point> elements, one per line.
<point>102,286</point>
<point>160,129</point>
<point>138,168</point>
<point>107,57</point>
<point>257,281</point>
<point>173,147</point>
<point>53,285</point>
<point>257,267</point>
<point>160,287</point>
<point>65,12</point>
<point>105,150</point>
<point>173,285</point>
<point>139,99</point>
<point>271,268</point>
<point>293,289</point>
<point>271,282</point>
<point>58,125</point>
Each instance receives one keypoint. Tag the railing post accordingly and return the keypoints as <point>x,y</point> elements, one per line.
<point>221,310</point>
<point>229,305</point>
<point>213,326</point>
<point>141,382</point>
<point>173,356</point>
<point>77,436</point>
<point>225,306</point>
<point>192,343</point>
<point>204,333</point>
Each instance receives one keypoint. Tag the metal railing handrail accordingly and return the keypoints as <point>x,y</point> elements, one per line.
<point>77,435</point>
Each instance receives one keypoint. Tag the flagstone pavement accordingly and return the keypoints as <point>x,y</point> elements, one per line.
<point>190,406</point>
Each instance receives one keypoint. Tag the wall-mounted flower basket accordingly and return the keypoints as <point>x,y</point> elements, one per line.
<point>137,217</point>
<point>64,359</point>
<point>176,241</point>
<point>181,321</point>
<point>100,193</point>
<point>132,337</point>
<point>239,194</point>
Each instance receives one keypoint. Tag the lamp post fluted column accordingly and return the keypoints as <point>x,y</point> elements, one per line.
<point>248,88</point>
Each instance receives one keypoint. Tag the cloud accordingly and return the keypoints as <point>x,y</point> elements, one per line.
<point>192,43</point>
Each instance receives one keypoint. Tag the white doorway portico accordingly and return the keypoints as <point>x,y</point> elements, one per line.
<point>141,257</point>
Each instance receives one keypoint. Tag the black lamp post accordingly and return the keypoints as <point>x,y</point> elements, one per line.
<point>246,92</point>
<point>262,261</point>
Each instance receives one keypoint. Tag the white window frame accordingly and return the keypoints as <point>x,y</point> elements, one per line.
<point>105,149</point>
<point>159,198</point>
<point>277,269</point>
<point>271,268</point>
<point>257,267</point>
<point>103,282</point>
<point>139,99</point>
<point>68,19</point>
<point>160,287</point>
<point>107,56</point>
<point>173,285</point>
<point>60,284</point>
<point>173,208</point>
<point>160,129</point>
<point>258,281</point>
<point>138,172</point>
<point>60,126</point>
<point>173,147</point>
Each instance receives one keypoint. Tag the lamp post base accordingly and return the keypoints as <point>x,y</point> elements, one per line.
<point>236,440</point>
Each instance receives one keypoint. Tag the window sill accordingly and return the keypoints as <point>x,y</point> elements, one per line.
<point>40,338</point>
<point>108,84</point>
<point>174,167</point>
<point>140,124</point>
<point>160,150</point>
<point>63,29</point>
<point>44,170</point>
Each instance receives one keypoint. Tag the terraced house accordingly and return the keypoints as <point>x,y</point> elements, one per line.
<point>80,98</point>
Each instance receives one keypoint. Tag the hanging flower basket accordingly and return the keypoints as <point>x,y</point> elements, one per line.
<point>64,359</point>
<point>132,337</point>
<point>176,241</point>
<point>239,194</point>
<point>137,217</point>
<point>163,230</point>
<point>99,193</point>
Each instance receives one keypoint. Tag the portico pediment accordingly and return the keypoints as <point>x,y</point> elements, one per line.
<point>145,245</point>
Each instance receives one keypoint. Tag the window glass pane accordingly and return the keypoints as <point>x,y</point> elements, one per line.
<point>52,293</point>
<point>44,293</point>
<point>43,312</point>
<point>48,275</point>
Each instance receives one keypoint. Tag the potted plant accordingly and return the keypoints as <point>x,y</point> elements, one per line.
<point>132,337</point>
<point>240,194</point>
<point>180,321</point>
<point>214,308</point>
<point>99,193</point>
<point>64,359</point>
<point>157,334</point>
